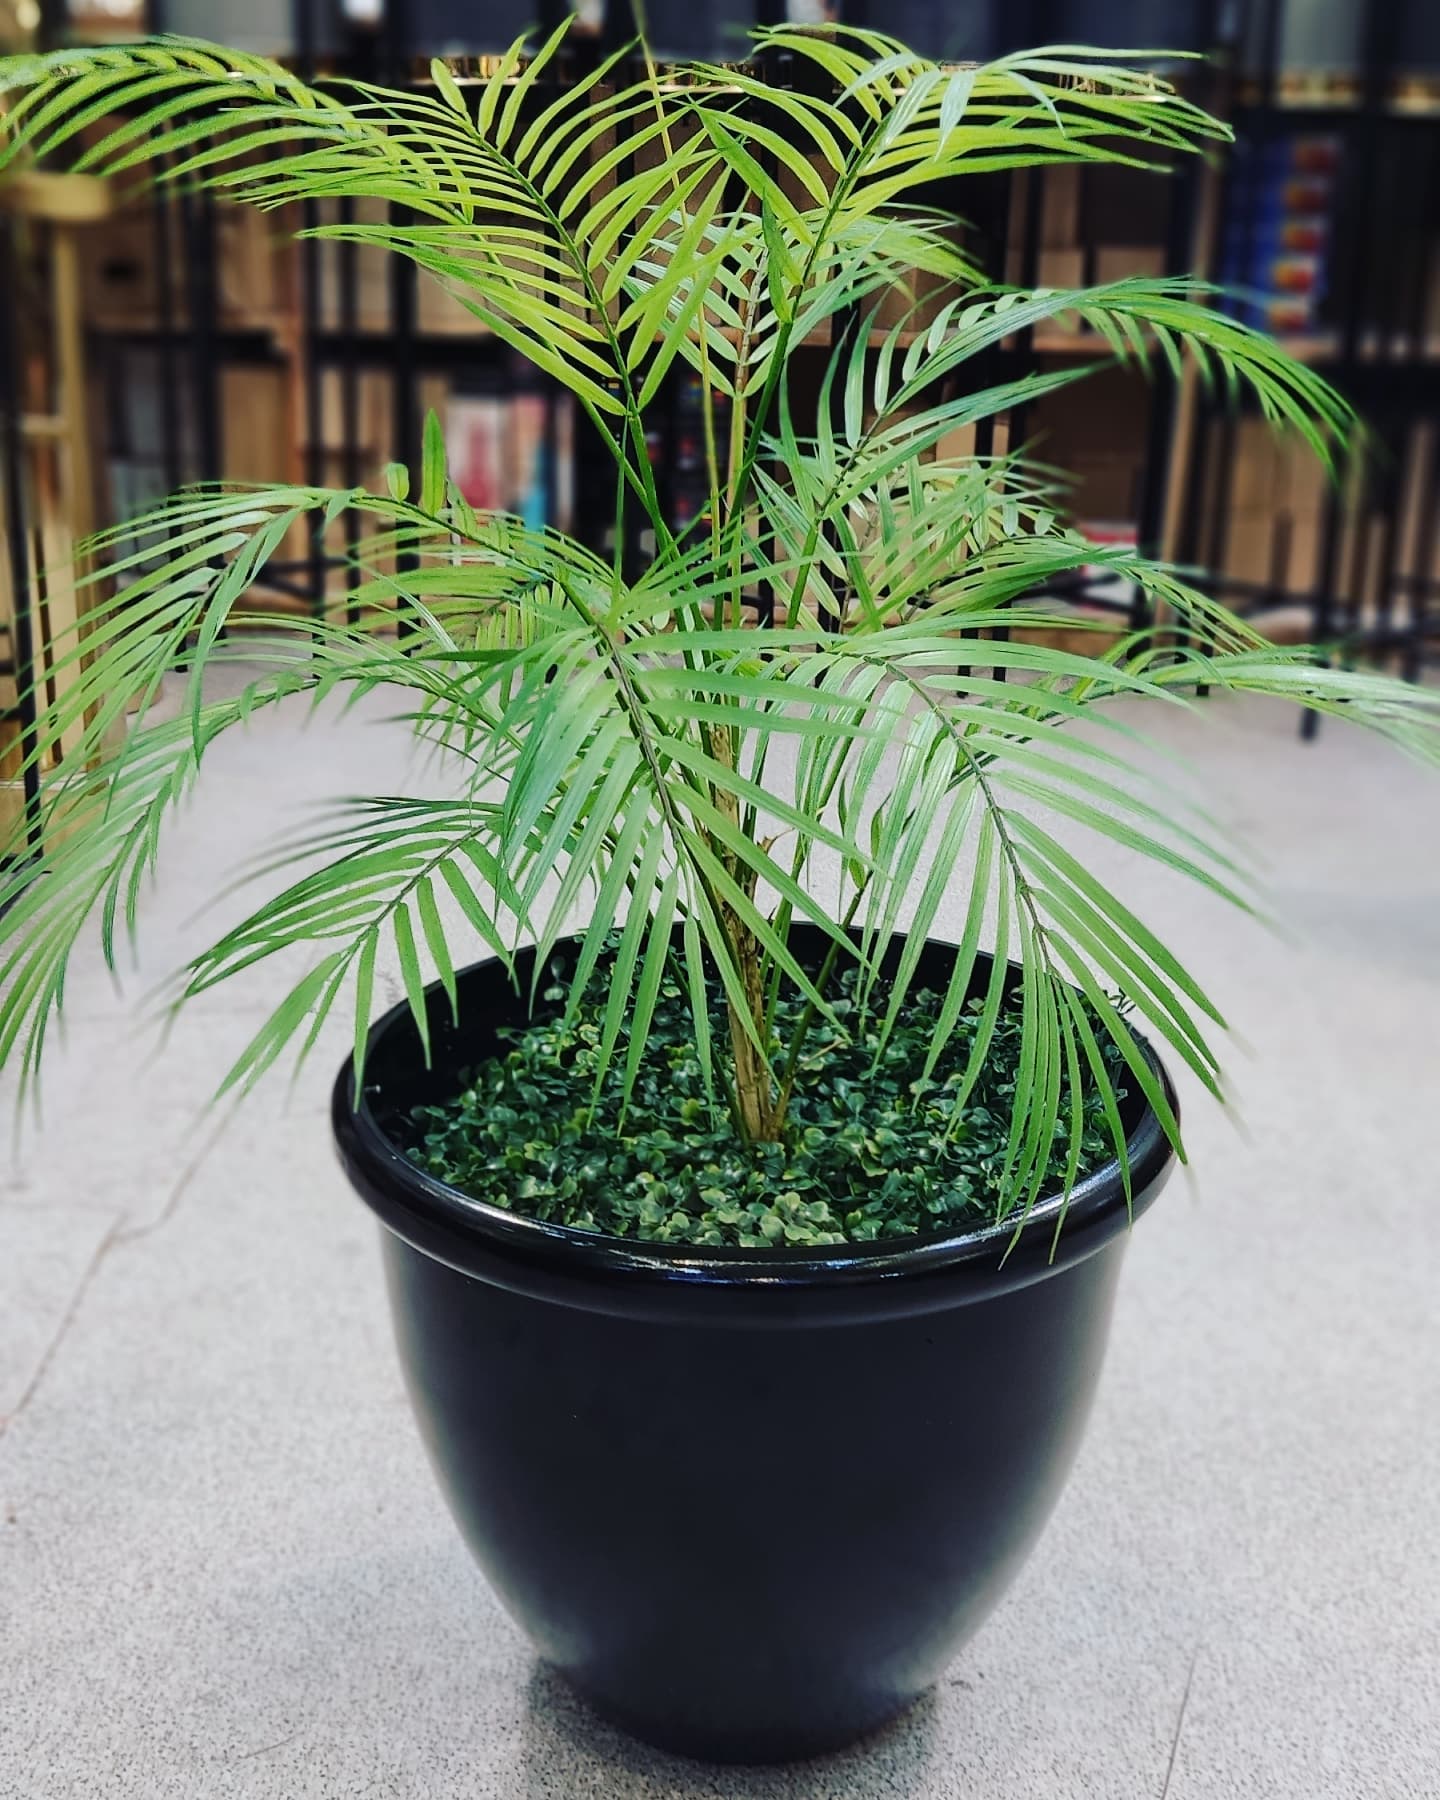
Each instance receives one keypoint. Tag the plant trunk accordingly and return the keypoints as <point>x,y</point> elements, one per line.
<point>757,1105</point>
<point>756,1101</point>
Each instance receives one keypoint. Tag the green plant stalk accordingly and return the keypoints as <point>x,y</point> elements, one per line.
<point>750,1095</point>
<point>761,1111</point>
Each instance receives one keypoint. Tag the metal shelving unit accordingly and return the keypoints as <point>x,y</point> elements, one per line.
<point>1379,346</point>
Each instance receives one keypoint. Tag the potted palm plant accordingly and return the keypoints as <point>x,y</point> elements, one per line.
<point>755,1205</point>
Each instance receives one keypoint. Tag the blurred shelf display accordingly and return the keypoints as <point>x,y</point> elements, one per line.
<point>47,425</point>
<point>218,347</point>
<point>93,21</point>
<point>1327,43</point>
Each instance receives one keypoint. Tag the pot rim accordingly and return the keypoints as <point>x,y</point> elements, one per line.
<point>481,1239</point>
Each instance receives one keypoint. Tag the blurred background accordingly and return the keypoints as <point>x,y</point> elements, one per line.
<point>145,342</point>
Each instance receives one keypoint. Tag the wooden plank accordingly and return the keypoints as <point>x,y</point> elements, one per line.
<point>57,199</point>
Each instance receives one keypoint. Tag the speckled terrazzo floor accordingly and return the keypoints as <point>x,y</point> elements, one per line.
<point>224,1570</point>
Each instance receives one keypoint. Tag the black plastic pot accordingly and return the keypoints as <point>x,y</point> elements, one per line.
<point>750,1502</point>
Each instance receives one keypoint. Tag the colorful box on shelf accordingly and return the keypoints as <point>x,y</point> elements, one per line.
<point>507,451</point>
<point>1275,255</point>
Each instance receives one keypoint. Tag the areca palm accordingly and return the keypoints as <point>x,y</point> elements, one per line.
<point>630,744</point>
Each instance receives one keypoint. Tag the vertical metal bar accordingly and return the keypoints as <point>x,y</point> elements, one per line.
<point>1275,574</point>
<point>994,224</point>
<point>349,275</point>
<point>1031,187</point>
<point>165,320</point>
<point>1164,432</point>
<point>1200,488</point>
<point>1360,163</point>
<point>617,31</point>
<point>629,548</point>
<point>1425,210</point>
<point>1196,485</point>
<point>403,312</point>
<point>1159,459</point>
<point>1323,598</point>
<point>1039,28</point>
<point>54,17</point>
<point>1353,582</point>
<point>845,339</point>
<point>1272,20</point>
<point>555,81</point>
<point>41,602</point>
<point>1219,535</point>
<point>311,253</point>
<point>22,625</point>
<point>1243,201</point>
<point>1365,251</point>
<point>1427,538</point>
<point>403,309</point>
<point>1392,499</point>
<point>197,217</point>
<point>313,377</point>
<point>777,70</point>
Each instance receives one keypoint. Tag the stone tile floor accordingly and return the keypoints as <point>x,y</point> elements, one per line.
<point>224,1569</point>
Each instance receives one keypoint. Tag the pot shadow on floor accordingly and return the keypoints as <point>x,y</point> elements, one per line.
<point>568,1748</point>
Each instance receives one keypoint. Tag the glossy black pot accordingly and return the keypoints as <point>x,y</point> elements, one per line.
<point>749,1502</point>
